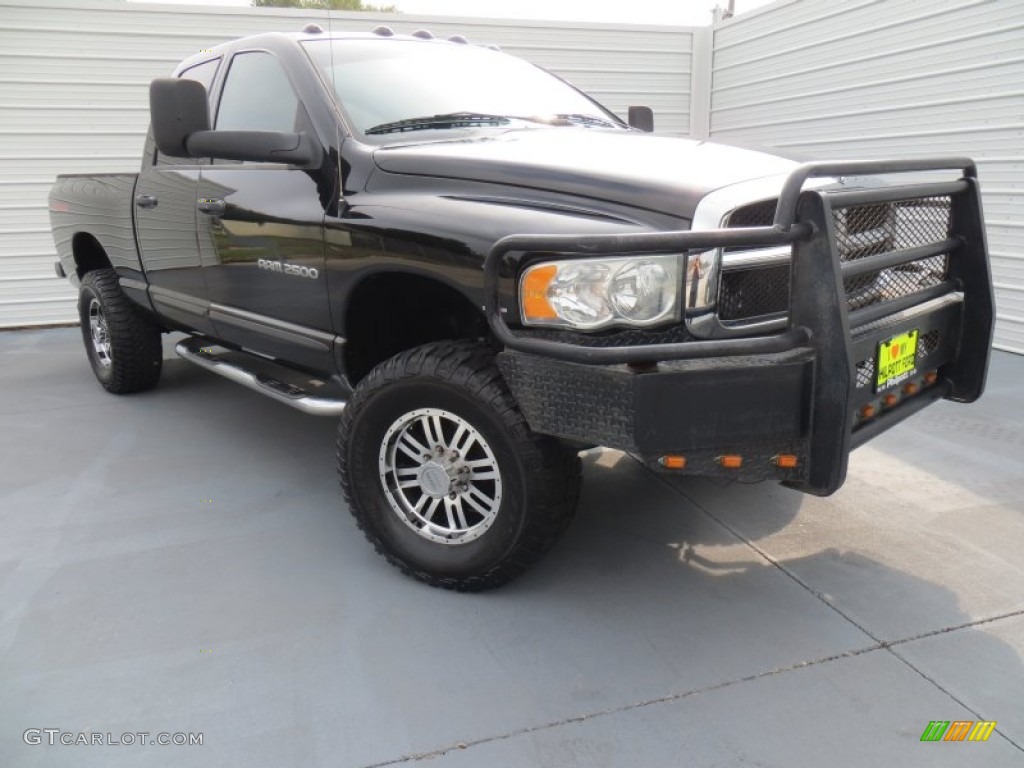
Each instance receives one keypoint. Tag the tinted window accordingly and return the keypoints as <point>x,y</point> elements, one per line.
<point>202,73</point>
<point>382,81</point>
<point>257,96</point>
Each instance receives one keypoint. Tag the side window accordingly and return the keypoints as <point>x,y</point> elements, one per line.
<point>257,96</point>
<point>201,73</point>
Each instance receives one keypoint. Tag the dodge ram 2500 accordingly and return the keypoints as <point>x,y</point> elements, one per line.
<point>483,271</point>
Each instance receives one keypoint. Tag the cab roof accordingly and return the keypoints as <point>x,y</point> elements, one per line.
<point>308,33</point>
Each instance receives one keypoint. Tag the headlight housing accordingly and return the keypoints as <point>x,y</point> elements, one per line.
<point>590,294</point>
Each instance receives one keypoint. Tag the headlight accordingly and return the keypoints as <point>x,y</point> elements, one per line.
<point>589,294</point>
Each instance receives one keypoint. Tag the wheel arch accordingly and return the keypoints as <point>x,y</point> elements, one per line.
<point>388,312</point>
<point>88,254</point>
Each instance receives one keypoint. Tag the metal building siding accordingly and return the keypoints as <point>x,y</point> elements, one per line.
<point>876,78</point>
<point>74,83</point>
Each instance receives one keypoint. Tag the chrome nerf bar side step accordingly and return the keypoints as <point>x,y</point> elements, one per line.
<point>202,353</point>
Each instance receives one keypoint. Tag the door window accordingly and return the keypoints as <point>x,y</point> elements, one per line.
<point>202,73</point>
<point>257,96</point>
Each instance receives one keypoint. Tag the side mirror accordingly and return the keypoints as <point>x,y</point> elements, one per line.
<point>177,108</point>
<point>258,146</point>
<point>642,118</point>
<point>181,128</point>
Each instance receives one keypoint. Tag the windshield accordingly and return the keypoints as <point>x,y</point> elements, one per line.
<point>387,86</point>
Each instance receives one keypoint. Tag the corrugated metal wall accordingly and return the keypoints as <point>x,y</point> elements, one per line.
<point>74,99</point>
<point>812,78</point>
<point>882,78</point>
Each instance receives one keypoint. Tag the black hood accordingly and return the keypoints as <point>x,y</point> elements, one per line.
<point>656,173</point>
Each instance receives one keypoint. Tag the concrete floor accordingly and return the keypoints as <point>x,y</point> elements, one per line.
<point>181,561</point>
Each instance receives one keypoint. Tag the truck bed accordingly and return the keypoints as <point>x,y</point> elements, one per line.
<point>99,206</point>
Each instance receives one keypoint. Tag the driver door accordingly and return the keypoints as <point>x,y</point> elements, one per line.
<point>261,227</point>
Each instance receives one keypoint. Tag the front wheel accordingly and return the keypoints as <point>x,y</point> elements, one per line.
<point>443,475</point>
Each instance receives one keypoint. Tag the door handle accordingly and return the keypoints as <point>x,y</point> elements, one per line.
<point>211,207</point>
<point>145,201</point>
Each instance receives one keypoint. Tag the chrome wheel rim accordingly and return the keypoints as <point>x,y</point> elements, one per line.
<point>100,334</point>
<point>440,476</point>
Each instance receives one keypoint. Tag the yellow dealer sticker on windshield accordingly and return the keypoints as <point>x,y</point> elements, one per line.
<point>896,358</point>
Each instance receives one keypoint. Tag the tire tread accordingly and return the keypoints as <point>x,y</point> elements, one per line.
<point>135,337</point>
<point>552,469</point>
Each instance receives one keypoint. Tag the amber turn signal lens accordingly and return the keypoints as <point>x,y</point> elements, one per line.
<point>731,461</point>
<point>931,377</point>
<point>673,462</point>
<point>534,293</point>
<point>890,400</point>
<point>867,411</point>
<point>785,460</point>
<point>910,388</point>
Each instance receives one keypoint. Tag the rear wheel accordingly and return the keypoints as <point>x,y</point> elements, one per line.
<point>443,475</point>
<point>121,340</point>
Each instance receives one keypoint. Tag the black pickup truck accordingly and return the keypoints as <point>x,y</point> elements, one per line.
<point>483,271</point>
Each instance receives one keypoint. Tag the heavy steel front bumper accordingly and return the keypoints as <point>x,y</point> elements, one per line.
<point>806,392</point>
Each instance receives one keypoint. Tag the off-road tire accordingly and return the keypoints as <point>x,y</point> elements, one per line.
<point>135,349</point>
<point>540,474</point>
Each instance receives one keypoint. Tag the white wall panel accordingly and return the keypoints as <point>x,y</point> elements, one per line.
<point>74,83</point>
<point>808,78</point>
<point>886,78</point>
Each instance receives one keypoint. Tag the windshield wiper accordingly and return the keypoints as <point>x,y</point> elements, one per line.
<point>581,119</point>
<point>473,119</point>
<point>449,120</point>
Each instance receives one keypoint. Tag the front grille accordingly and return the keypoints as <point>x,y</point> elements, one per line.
<point>866,230</point>
<point>865,372</point>
<point>760,214</point>
<point>863,230</point>
<point>876,287</point>
<point>860,231</point>
<point>928,344</point>
<point>748,293</point>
